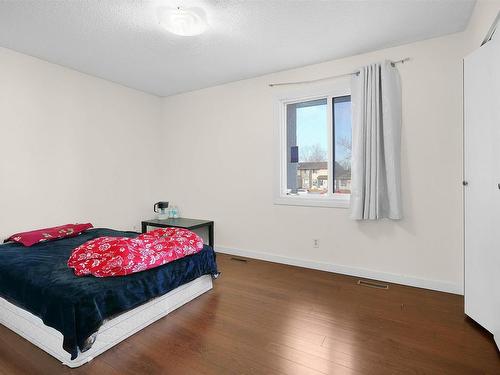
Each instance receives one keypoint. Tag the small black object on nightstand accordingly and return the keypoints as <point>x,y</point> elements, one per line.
<point>182,222</point>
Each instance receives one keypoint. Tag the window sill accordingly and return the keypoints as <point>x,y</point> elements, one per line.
<point>336,202</point>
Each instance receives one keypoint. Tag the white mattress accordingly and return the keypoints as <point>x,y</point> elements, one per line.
<point>111,333</point>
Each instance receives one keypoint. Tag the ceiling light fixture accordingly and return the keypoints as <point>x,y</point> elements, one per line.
<point>183,21</point>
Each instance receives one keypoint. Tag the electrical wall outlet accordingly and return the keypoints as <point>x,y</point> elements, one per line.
<point>315,243</point>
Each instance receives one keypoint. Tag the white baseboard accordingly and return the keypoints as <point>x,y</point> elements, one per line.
<point>441,286</point>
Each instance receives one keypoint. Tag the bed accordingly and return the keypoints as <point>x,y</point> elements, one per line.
<point>76,318</point>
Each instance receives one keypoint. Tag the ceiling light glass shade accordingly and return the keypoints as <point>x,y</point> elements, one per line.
<point>183,21</point>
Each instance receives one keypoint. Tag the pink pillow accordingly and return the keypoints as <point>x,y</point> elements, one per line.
<point>119,256</point>
<point>49,234</point>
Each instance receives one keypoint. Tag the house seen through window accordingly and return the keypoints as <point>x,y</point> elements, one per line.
<point>319,144</point>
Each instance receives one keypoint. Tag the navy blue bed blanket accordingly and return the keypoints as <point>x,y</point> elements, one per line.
<point>38,280</point>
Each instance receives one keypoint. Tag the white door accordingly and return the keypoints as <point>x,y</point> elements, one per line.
<point>482,194</point>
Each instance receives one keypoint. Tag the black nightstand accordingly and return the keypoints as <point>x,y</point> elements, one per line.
<point>182,222</point>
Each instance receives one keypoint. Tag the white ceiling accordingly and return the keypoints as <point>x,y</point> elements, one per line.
<point>121,40</point>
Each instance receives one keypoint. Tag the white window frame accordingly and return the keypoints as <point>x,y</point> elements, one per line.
<point>330,90</point>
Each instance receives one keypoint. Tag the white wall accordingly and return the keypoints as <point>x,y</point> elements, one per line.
<point>483,16</point>
<point>220,163</point>
<point>73,148</point>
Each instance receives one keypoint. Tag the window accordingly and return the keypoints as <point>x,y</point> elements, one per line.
<point>342,144</point>
<point>315,149</point>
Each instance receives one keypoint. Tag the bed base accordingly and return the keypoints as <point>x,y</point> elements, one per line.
<point>111,333</point>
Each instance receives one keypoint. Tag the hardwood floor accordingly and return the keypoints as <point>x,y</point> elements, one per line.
<point>265,318</point>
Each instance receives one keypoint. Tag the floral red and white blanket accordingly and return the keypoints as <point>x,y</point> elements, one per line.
<point>118,256</point>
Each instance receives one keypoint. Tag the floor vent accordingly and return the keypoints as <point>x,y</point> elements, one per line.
<point>373,284</point>
<point>239,260</point>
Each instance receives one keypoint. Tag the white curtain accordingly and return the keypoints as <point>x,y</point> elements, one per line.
<point>376,143</point>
